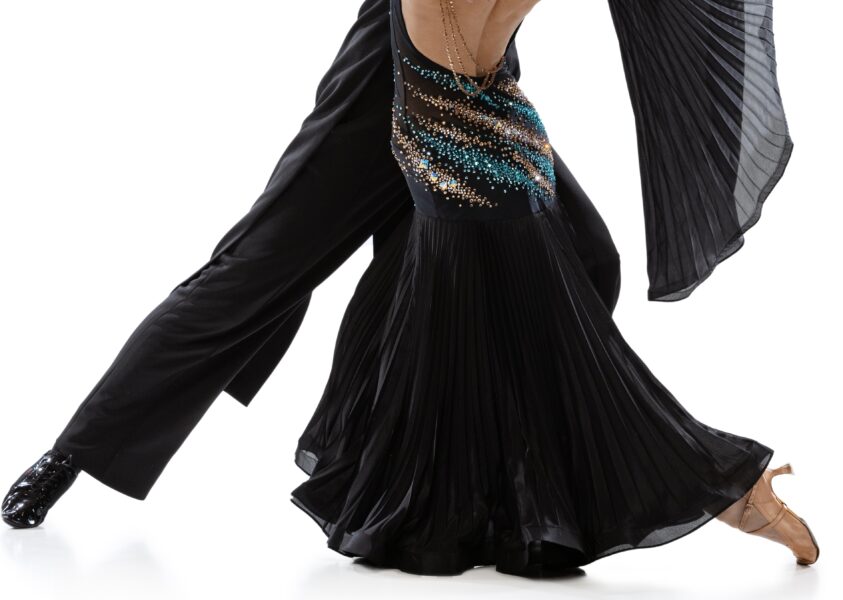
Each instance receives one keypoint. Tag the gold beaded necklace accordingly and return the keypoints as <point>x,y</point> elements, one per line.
<point>453,24</point>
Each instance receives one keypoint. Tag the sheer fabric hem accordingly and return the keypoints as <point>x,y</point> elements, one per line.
<point>543,551</point>
<point>669,293</point>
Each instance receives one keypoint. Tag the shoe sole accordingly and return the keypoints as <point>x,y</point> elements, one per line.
<point>18,524</point>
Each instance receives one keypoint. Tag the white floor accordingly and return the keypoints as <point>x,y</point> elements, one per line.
<point>148,551</point>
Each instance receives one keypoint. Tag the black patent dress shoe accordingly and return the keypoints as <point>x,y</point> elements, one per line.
<point>38,489</point>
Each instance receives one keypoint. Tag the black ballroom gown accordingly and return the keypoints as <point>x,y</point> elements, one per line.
<point>483,408</point>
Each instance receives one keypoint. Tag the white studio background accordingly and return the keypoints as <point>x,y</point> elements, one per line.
<point>133,135</point>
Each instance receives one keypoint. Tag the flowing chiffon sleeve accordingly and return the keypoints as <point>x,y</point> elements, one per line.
<point>712,135</point>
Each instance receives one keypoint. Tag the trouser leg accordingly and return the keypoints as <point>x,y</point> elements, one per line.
<point>183,354</point>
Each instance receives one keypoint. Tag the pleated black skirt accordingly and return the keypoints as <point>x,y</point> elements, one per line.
<point>484,409</point>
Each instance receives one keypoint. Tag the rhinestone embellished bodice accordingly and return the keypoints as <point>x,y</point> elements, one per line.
<point>469,157</point>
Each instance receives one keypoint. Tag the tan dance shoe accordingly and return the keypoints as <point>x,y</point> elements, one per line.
<point>760,512</point>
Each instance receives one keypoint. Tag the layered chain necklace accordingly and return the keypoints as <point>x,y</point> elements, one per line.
<point>451,24</point>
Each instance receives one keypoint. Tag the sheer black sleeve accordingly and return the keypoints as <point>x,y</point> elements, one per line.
<point>713,140</point>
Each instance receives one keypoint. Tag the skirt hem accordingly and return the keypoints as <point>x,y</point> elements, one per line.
<point>543,551</point>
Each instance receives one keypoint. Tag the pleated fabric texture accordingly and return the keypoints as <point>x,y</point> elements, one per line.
<point>713,139</point>
<point>483,409</point>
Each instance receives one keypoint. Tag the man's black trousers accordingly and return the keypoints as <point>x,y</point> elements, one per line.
<point>190,347</point>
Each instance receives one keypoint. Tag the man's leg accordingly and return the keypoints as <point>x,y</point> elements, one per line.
<point>184,353</point>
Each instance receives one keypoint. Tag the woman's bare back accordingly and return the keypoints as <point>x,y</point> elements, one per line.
<point>486,25</point>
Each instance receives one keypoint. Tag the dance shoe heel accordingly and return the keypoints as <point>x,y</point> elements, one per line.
<point>763,513</point>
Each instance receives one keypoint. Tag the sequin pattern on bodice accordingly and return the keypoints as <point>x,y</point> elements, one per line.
<point>478,157</point>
